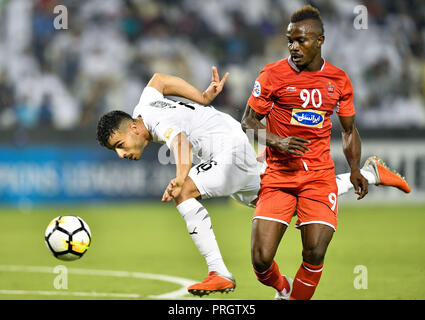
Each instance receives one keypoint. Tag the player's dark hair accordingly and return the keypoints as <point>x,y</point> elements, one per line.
<point>108,123</point>
<point>307,12</point>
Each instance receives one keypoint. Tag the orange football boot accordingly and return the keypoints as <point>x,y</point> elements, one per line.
<point>384,175</point>
<point>213,283</point>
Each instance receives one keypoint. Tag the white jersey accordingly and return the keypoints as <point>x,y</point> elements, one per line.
<point>208,130</point>
<point>228,166</point>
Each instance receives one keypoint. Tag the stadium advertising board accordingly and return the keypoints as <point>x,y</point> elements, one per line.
<point>57,174</point>
<point>47,174</point>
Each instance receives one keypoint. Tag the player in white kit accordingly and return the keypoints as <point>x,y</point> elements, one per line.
<point>227,167</point>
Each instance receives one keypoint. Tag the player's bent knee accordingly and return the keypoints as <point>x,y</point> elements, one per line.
<point>314,256</point>
<point>261,259</point>
<point>316,238</point>
<point>189,190</point>
<point>265,240</point>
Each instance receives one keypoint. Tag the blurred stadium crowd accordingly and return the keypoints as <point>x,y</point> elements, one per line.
<point>67,78</point>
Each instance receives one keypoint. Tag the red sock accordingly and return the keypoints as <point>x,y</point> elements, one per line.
<point>306,281</point>
<point>272,278</point>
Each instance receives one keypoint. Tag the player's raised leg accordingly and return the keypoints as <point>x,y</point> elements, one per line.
<point>385,176</point>
<point>377,172</point>
<point>198,223</point>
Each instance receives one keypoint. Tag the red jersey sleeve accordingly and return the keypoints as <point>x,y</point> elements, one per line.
<point>345,103</point>
<point>260,99</point>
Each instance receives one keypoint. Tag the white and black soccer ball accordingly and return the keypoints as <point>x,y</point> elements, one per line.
<point>68,237</point>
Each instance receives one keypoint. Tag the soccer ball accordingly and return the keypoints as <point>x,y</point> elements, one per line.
<point>68,237</point>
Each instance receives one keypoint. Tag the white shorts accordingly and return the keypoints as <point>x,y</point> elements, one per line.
<point>233,173</point>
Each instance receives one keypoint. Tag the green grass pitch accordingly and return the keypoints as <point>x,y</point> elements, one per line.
<point>386,241</point>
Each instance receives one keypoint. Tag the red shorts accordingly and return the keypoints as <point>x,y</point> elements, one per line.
<point>312,194</point>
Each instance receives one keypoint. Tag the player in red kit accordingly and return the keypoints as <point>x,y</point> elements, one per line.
<point>297,95</point>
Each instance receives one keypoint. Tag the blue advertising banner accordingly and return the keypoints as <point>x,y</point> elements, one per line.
<point>73,173</point>
<point>77,173</point>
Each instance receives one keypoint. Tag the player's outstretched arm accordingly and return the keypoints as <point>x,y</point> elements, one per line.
<point>182,151</point>
<point>170,85</point>
<point>251,120</point>
<point>352,146</point>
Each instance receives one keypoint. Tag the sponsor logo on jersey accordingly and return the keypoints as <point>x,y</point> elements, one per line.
<point>309,118</point>
<point>291,89</point>
<point>331,89</point>
<point>161,104</point>
<point>257,89</point>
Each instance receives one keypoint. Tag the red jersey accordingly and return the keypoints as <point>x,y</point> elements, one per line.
<point>300,104</point>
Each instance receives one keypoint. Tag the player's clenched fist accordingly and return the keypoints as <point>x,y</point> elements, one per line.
<point>293,145</point>
<point>360,184</point>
